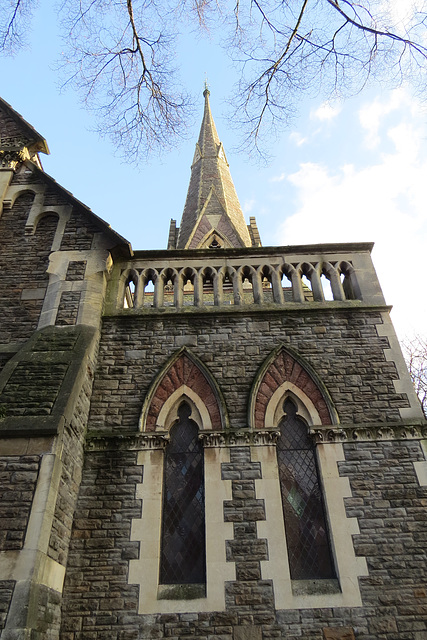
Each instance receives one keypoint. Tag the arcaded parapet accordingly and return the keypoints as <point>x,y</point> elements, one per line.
<point>271,276</point>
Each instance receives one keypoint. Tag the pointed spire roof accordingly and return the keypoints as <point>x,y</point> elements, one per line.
<point>212,213</point>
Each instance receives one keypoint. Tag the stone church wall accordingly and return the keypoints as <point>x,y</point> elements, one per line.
<point>18,478</point>
<point>344,349</point>
<point>100,603</point>
<point>23,263</point>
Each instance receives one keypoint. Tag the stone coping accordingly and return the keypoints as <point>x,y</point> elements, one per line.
<point>344,247</point>
<point>329,306</point>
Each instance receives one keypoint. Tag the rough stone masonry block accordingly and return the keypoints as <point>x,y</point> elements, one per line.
<point>338,633</point>
<point>247,633</point>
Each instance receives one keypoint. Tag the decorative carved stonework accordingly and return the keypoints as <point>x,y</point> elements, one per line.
<point>239,438</point>
<point>12,154</point>
<point>366,433</point>
<point>9,142</point>
<point>321,435</point>
<point>129,442</point>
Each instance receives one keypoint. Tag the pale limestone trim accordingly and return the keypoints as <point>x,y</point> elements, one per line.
<point>421,466</point>
<point>305,407</point>
<point>44,502</point>
<point>325,434</point>
<point>169,411</point>
<point>6,175</point>
<point>52,574</point>
<point>147,530</point>
<point>421,471</point>
<point>15,190</point>
<point>92,288</point>
<point>32,564</point>
<point>38,210</point>
<point>404,383</point>
<point>62,211</point>
<point>127,442</point>
<point>276,568</point>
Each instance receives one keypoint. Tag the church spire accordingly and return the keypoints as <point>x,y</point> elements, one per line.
<point>212,214</point>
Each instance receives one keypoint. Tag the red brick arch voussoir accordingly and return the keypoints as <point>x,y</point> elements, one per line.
<point>285,368</point>
<point>183,371</point>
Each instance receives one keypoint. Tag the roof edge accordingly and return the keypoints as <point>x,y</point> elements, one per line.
<point>105,226</point>
<point>40,144</point>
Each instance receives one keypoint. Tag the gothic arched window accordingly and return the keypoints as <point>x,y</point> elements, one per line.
<point>307,536</point>
<point>183,549</point>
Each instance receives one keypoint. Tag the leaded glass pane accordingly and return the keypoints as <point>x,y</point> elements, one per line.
<point>306,530</point>
<point>183,527</point>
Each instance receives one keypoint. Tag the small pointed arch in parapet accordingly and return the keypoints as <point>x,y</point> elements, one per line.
<point>285,373</point>
<point>184,376</point>
<point>128,285</point>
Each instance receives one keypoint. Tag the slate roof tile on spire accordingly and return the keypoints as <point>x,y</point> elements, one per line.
<point>212,213</point>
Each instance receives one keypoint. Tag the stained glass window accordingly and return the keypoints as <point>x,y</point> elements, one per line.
<point>307,536</point>
<point>183,553</point>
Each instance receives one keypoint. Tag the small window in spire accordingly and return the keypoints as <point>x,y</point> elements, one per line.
<point>214,244</point>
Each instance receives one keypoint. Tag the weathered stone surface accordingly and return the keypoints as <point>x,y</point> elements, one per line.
<point>156,337</point>
<point>18,477</point>
<point>341,633</point>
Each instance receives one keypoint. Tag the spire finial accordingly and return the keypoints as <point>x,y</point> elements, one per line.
<point>206,92</point>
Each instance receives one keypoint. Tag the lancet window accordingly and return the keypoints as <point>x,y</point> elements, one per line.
<point>306,527</point>
<point>183,552</point>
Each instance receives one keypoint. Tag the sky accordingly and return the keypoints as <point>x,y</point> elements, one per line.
<point>343,172</point>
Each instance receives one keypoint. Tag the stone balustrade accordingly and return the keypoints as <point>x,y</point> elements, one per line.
<point>283,276</point>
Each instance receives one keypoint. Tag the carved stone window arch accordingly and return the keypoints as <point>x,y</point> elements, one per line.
<point>288,395</point>
<point>130,285</point>
<point>184,375</point>
<point>184,383</point>
<point>284,370</point>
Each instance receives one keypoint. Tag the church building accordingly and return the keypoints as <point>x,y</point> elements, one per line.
<point>213,441</point>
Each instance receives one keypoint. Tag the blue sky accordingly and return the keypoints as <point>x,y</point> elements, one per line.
<point>354,171</point>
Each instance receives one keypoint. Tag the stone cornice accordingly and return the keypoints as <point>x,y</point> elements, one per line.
<point>158,440</point>
<point>367,433</point>
<point>239,438</point>
<point>326,434</point>
<point>127,442</point>
<point>303,308</point>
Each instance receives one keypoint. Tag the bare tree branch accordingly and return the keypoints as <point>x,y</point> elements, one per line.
<point>15,18</point>
<point>415,353</point>
<point>328,46</point>
<point>120,56</point>
<point>124,75</point>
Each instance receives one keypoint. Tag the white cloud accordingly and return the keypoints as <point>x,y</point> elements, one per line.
<point>326,111</point>
<point>278,178</point>
<point>372,115</point>
<point>401,11</point>
<point>297,138</point>
<point>248,205</point>
<point>383,202</point>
